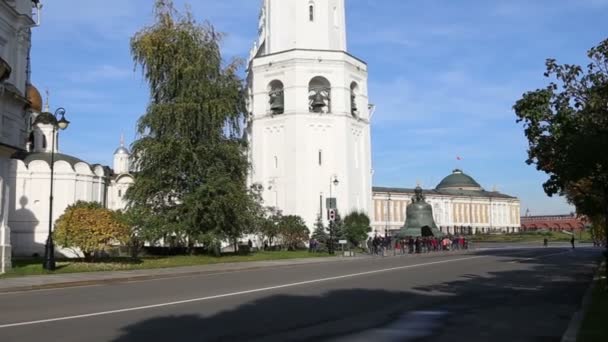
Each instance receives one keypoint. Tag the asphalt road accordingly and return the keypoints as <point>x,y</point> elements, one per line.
<point>484,295</point>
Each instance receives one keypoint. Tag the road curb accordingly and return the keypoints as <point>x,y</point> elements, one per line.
<point>135,278</point>
<point>576,322</point>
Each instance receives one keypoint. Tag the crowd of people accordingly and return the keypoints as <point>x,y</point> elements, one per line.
<point>382,245</point>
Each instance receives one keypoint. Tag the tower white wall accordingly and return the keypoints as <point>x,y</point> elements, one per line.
<point>295,155</point>
<point>286,25</point>
<point>15,41</point>
<point>121,163</point>
<point>44,138</point>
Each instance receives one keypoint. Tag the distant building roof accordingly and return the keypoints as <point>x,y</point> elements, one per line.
<point>446,192</point>
<point>458,180</point>
<point>28,157</point>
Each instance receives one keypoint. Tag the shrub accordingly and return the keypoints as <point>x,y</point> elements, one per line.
<point>90,228</point>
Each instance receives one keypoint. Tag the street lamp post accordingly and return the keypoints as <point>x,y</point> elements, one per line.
<point>333,181</point>
<point>49,248</point>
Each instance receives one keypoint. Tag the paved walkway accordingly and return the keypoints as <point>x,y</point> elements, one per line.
<point>38,282</point>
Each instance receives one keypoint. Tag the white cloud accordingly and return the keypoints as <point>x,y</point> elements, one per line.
<point>452,94</point>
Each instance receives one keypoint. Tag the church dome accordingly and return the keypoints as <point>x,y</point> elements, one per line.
<point>45,118</point>
<point>33,95</point>
<point>458,180</point>
<point>122,150</point>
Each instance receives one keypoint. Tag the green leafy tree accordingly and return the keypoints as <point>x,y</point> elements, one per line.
<point>269,226</point>
<point>88,227</point>
<point>191,161</point>
<point>293,231</point>
<point>566,124</point>
<point>356,227</point>
<point>336,233</point>
<point>320,234</point>
<point>135,243</point>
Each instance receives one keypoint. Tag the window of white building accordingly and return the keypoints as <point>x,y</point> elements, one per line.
<point>311,12</point>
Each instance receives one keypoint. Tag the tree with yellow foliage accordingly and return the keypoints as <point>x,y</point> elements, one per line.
<point>89,227</point>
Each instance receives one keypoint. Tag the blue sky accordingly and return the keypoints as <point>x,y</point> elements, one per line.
<point>444,75</point>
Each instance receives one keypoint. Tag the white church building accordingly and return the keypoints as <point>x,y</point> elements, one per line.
<point>309,132</point>
<point>74,180</point>
<point>27,139</point>
<point>17,18</point>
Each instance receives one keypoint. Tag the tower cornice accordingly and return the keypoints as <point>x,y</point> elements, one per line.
<point>278,53</point>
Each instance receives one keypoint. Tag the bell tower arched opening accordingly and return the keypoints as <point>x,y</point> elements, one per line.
<point>276,97</point>
<point>319,95</point>
<point>311,11</point>
<point>354,92</point>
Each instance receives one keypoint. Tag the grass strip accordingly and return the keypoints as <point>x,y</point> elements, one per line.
<point>27,267</point>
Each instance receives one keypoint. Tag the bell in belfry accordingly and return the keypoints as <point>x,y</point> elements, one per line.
<point>353,103</point>
<point>318,103</point>
<point>419,218</point>
<point>277,103</point>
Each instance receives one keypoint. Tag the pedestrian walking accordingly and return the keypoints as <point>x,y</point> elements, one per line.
<point>572,241</point>
<point>375,243</point>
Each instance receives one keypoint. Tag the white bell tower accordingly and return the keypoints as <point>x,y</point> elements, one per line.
<point>309,132</point>
<point>121,158</point>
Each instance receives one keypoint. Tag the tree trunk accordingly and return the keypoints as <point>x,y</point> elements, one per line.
<point>88,256</point>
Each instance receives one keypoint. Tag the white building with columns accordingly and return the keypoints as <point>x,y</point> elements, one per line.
<point>460,205</point>
<point>309,129</point>
<point>17,17</point>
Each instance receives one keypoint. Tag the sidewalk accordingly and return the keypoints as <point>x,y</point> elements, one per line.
<point>573,333</point>
<point>40,282</point>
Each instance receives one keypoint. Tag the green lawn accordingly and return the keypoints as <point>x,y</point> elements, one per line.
<point>532,237</point>
<point>34,266</point>
<point>594,327</point>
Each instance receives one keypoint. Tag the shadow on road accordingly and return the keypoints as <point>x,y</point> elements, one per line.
<point>530,300</point>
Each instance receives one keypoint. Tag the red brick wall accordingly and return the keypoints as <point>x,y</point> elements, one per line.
<point>552,222</point>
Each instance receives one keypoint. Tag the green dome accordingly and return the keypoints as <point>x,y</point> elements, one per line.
<point>45,118</point>
<point>458,180</point>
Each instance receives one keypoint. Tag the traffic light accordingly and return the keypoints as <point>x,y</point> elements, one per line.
<point>331,214</point>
